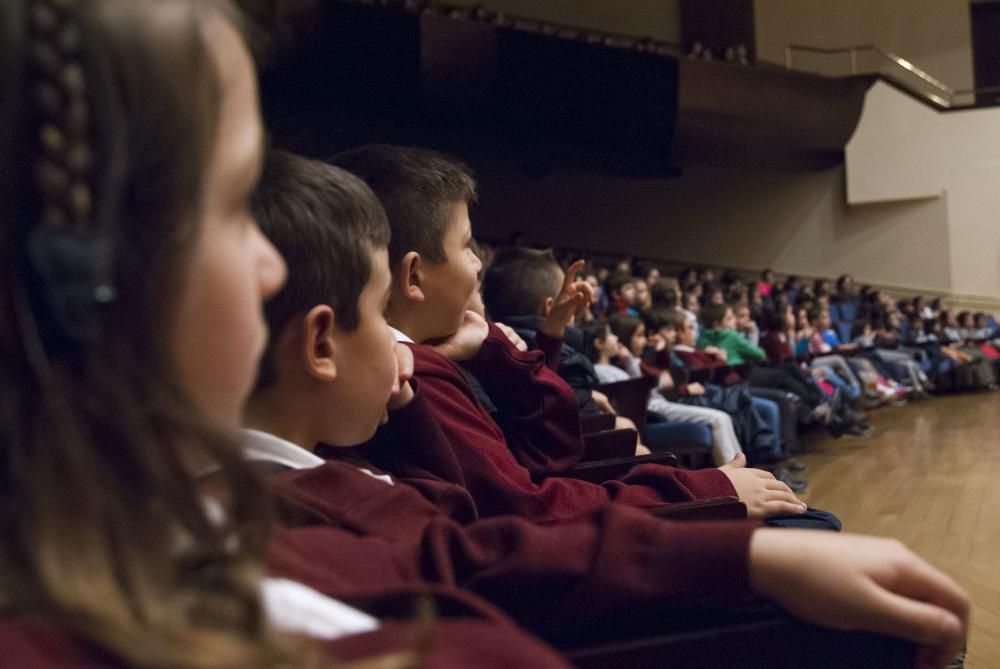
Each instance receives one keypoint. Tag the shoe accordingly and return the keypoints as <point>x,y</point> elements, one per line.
<point>795,465</point>
<point>785,476</point>
<point>858,430</point>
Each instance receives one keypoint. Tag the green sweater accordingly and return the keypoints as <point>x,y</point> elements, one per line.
<point>738,349</point>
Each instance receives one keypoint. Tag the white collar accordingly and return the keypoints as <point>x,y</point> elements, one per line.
<point>400,336</point>
<point>684,348</point>
<point>259,445</point>
<point>264,446</point>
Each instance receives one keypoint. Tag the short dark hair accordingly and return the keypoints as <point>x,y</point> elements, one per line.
<point>326,223</point>
<point>664,317</point>
<point>711,314</point>
<point>592,331</point>
<point>416,187</point>
<point>624,327</point>
<point>519,281</point>
<point>664,292</point>
<point>617,281</point>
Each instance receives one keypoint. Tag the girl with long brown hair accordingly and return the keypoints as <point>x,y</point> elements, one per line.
<point>130,325</point>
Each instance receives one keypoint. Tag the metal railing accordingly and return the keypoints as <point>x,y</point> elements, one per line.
<point>930,88</point>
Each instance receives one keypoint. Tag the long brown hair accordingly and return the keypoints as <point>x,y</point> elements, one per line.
<point>103,530</point>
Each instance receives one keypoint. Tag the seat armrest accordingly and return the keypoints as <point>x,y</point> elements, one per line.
<point>598,471</point>
<point>716,508</point>
<point>597,423</point>
<point>608,444</point>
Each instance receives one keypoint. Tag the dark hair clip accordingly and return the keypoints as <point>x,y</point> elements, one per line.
<point>75,269</point>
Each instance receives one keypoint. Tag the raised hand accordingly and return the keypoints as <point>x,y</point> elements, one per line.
<point>574,296</point>
<point>764,495</point>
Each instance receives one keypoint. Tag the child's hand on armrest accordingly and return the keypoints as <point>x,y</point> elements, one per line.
<point>514,338</point>
<point>402,391</point>
<point>695,389</point>
<point>853,582</point>
<point>720,354</point>
<point>574,297</point>
<point>764,495</point>
<point>467,341</point>
<point>602,401</point>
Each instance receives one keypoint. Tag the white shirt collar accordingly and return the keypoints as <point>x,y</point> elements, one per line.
<point>400,336</point>
<point>264,446</point>
<point>259,445</point>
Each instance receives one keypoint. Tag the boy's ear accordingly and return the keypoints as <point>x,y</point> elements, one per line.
<point>547,306</point>
<point>409,277</point>
<point>318,349</point>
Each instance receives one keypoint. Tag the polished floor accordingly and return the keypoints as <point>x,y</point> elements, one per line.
<point>930,477</point>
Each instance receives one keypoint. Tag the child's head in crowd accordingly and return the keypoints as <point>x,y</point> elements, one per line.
<point>718,316</point>
<point>426,197</point>
<point>631,332</point>
<point>330,358</point>
<point>521,282</point>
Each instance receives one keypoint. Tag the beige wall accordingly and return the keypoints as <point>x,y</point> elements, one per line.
<point>901,149</point>
<point>659,19</point>
<point>933,34</point>
<point>792,222</point>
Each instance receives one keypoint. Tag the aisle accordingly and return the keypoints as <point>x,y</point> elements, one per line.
<point>930,477</point>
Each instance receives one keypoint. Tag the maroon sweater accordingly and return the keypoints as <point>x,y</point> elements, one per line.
<point>447,437</point>
<point>346,531</point>
<point>454,643</point>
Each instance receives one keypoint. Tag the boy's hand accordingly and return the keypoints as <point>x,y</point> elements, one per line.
<point>402,391</point>
<point>718,353</point>
<point>695,389</point>
<point>602,401</point>
<point>573,298</point>
<point>514,338</point>
<point>666,381</point>
<point>764,495</point>
<point>852,582</point>
<point>467,341</point>
<point>657,341</point>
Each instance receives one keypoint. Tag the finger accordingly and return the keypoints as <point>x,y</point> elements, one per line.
<point>923,623</point>
<point>571,273</point>
<point>762,474</point>
<point>786,497</point>
<point>921,581</point>
<point>404,363</point>
<point>584,290</point>
<point>775,508</point>
<point>775,484</point>
<point>739,461</point>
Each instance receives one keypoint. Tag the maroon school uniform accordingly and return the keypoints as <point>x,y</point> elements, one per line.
<point>537,410</point>
<point>457,644</point>
<point>348,532</point>
<point>465,435</point>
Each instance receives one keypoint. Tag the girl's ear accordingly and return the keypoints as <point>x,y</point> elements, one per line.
<point>318,346</point>
<point>409,278</point>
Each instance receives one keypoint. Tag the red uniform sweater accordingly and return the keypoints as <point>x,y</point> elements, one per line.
<point>454,643</point>
<point>348,533</point>
<point>459,443</point>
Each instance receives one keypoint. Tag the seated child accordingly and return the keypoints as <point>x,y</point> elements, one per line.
<point>606,349</point>
<point>426,198</point>
<point>719,330</point>
<point>334,375</point>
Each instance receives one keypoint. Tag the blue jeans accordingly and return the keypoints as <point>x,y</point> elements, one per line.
<point>768,412</point>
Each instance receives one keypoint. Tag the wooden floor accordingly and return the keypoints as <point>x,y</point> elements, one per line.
<point>930,477</point>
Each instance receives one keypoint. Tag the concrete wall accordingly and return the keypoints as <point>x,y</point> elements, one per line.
<point>933,34</point>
